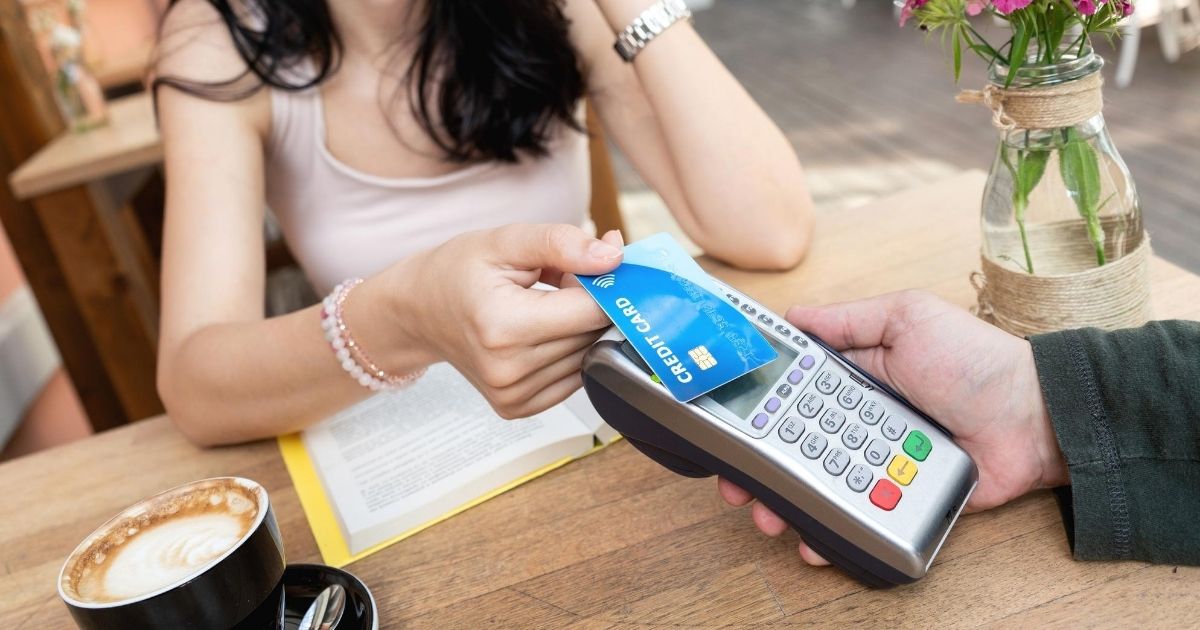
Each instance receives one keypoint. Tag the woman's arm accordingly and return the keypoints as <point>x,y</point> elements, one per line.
<point>225,373</point>
<point>724,169</point>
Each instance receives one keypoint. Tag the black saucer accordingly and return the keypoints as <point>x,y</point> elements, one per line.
<point>303,582</point>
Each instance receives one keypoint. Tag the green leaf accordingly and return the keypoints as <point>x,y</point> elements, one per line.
<point>1031,165</point>
<point>1081,173</point>
<point>1016,54</point>
<point>956,44</point>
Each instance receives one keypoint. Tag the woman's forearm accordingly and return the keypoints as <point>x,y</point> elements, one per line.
<point>741,178</point>
<point>238,381</point>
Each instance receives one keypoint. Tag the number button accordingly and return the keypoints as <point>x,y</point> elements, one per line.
<point>877,452</point>
<point>871,412</point>
<point>810,405</point>
<point>894,427</point>
<point>836,462</point>
<point>791,429</point>
<point>850,397</point>
<point>917,445</point>
<point>827,382</point>
<point>902,469</point>
<point>854,436</point>
<point>814,445</point>
<point>885,495</point>
<point>859,478</point>
<point>832,420</point>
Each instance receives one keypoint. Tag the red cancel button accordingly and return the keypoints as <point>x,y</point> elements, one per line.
<point>885,495</point>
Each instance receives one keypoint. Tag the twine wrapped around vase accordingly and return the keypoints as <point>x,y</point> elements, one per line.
<point>1068,290</point>
<point>1046,107</point>
<point>1114,296</point>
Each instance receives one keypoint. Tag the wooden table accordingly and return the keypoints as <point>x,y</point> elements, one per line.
<point>615,540</point>
<point>129,142</point>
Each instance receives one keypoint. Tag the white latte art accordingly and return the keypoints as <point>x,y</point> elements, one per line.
<point>168,552</point>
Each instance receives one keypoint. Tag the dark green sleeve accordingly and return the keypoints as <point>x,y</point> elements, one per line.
<point>1126,409</point>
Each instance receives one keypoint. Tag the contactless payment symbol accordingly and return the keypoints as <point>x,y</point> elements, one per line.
<point>703,358</point>
<point>604,282</point>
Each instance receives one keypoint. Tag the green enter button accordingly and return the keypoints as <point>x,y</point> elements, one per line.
<point>917,446</point>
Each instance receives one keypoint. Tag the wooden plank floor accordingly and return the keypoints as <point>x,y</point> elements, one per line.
<point>870,108</point>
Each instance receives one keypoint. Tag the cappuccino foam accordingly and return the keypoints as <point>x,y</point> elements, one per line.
<point>161,541</point>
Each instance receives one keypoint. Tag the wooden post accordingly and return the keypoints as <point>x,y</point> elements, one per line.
<point>605,211</point>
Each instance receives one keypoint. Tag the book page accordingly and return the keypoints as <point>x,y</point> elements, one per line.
<point>400,459</point>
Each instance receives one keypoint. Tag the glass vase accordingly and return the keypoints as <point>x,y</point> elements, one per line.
<point>1058,201</point>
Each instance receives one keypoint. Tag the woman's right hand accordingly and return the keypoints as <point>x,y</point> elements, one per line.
<point>469,302</point>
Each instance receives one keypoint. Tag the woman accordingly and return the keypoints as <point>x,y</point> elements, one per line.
<point>433,148</point>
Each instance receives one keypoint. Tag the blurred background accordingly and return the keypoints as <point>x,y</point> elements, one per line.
<point>868,106</point>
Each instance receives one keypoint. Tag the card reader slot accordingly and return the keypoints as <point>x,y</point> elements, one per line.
<point>628,350</point>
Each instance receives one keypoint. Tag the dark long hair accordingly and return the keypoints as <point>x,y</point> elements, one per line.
<point>488,78</point>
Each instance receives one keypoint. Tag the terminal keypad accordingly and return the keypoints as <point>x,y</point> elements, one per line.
<point>855,415</point>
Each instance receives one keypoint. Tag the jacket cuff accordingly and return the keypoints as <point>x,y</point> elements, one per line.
<point>1096,506</point>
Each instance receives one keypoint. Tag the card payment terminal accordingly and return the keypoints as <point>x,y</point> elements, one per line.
<point>870,482</point>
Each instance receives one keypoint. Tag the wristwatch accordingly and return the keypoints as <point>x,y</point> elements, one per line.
<point>650,24</point>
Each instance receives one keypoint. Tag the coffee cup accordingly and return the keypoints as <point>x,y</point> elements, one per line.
<point>207,554</point>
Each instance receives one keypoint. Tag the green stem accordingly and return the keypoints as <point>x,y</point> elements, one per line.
<point>1096,235</point>
<point>1020,215</point>
<point>1083,39</point>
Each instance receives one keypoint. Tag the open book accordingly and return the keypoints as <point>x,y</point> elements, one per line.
<point>401,461</point>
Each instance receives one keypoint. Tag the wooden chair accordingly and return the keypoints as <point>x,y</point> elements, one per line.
<point>1178,24</point>
<point>605,210</point>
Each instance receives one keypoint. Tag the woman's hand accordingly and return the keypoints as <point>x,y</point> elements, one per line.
<point>976,380</point>
<point>469,302</point>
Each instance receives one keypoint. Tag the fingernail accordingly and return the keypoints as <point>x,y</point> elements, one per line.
<point>616,233</point>
<point>603,251</point>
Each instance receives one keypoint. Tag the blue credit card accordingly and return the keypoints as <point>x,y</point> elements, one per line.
<point>677,318</point>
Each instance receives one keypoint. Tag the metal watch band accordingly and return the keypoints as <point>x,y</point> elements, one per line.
<point>650,24</point>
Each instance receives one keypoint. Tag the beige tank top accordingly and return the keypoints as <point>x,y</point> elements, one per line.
<point>340,222</point>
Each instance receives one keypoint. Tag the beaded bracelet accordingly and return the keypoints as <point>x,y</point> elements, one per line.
<point>350,354</point>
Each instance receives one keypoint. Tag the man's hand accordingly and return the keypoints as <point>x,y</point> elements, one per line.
<point>975,379</point>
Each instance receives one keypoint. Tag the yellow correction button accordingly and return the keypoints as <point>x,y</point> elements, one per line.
<point>902,469</point>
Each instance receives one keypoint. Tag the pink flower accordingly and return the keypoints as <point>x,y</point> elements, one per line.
<point>1125,7</point>
<point>1086,7</point>
<point>1008,6</point>
<point>907,11</point>
<point>975,7</point>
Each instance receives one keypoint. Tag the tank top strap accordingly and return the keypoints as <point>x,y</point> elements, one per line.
<point>293,115</point>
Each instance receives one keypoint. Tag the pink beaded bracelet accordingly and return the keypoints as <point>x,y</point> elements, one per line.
<point>352,357</point>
